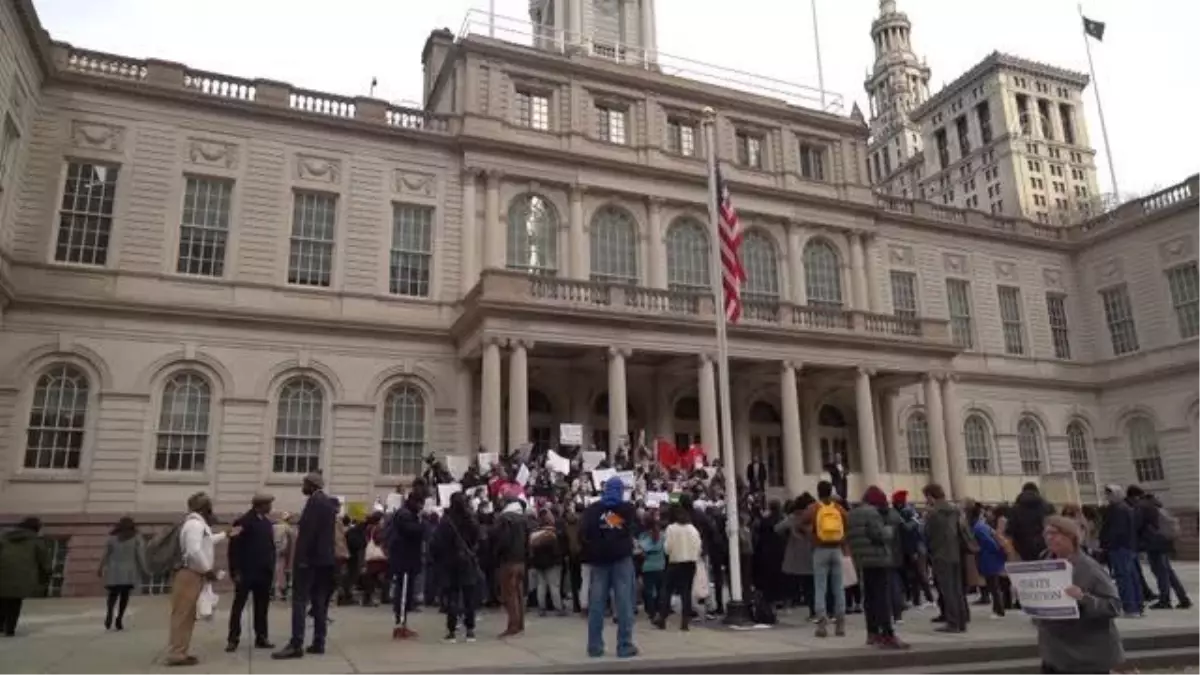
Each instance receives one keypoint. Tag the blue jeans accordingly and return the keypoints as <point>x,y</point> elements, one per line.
<point>311,586</point>
<point>827,576</point>
<point>1165,575</point>
<point>618,579</point>
<point>1124,570</point>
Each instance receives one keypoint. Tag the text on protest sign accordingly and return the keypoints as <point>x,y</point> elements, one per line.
<point>1041,587</point>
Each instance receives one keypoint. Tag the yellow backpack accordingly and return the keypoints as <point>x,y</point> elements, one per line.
<point>830,527</point>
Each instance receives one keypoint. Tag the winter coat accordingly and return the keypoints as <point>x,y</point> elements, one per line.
<point>870,537</point>
<point>547,553</point>
<point>991,557</point>
<point>511,539</point>
<point>797,556</point>
<point>124,561</point>
<point>1119,531</point>
<point>24,564</point>
<point>945,532</point>
<point>1026,521</point>
<point>454,550</point>
<point>406,541</point>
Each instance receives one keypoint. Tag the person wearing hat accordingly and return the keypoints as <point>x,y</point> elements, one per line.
<point>252,565</point>
<point>313,565</point>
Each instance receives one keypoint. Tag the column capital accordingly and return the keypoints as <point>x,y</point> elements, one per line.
<point>623,352</point>
<point>488,340</point>
<point>521,343</point>
<point>494,174</point>
<point>934,376</point>
<point>949,377</point>
<point>705,358</point>
<point>794,366</point>
<point>471,172</point>
<point>863,370</point>
<point>577,191</point>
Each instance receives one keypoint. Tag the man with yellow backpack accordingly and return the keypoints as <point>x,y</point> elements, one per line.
<point>828,523</point>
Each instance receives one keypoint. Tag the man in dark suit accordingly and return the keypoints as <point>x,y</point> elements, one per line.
<point>756,476</point>
<point>252,565</point>
<point>313,562</point>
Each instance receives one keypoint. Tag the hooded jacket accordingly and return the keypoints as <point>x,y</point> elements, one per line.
<point>24,564</point>
<point>1026,521</point>
<point>606,526</point>
<point>945,531</point>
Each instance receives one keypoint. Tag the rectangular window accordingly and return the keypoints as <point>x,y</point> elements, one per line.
<point>412,250</point>
<point>1185,298</point>
<point>1056,312</point>
<point>86,213</point>
<point>204,227</point>
<point>314,217</point>
<point>943,148</point>
<point>1118,314</point>
<point>8,149</point>
<point>904,294</point>
<point>964,135</point>
<point>1067,114</point>
<point>749,150</point>
<point>983,114</point>
<point>533,110</point>
<point>812,161</point>
<point>1044,117</point>
<point>1010,319</point>
<point>611,124</point>
<point>958,296</point>
<point>1023,114</point>
<point>681,137</point>
<point>56,550</point>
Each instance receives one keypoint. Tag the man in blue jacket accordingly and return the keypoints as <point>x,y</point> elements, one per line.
<point>313,565</point>
<point>1118,538</point>
<point>252,565</point>
<point>607,536</point>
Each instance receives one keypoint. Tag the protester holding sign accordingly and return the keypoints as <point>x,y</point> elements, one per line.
<point>1091,642</point>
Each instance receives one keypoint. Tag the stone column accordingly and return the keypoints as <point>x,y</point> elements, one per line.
<point>868,454</point>
<point>955,443</point>
<point>656,265</point>
<point>793,444</point>
<point>796,263</point>
<point>870,283</point>
<point>812,435</point>
<point>938,469</point>
<point>560,23</point>
<point>647,31</point>
<point>470,232</point>
<point>858,288</point>
<point>710,435</point>
<point>493,225</point>
<point>578,239</point>
<point>887,414</point>
<point>576,37</point>
<point>518,394</point>
<point>618,402</point>
<point>489,398</point>
<point>466,408</point>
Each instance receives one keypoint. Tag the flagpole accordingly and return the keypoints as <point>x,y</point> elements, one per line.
<point>735,611</point>
<point>1112,170</point>
<point>817,42</point>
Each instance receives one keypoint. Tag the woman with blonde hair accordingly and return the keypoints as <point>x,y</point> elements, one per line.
<point>122,568</point>
<point>1091,643</point>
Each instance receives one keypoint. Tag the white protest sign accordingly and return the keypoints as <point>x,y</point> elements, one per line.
<point>1041,587</point>
<point>570,434</point>
<point>627,478</point>
<point>653,499</point>
<point>447,489</point>
<point>523,475</point>
<point>488,459</point>
<point>457,465</point>
<point>394,501</point>
<point>557,463</point>
<point>601,476</point>
<point>430,504</point>
<point>592,459</point>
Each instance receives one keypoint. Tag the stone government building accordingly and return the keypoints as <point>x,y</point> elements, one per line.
<point>210,282</point>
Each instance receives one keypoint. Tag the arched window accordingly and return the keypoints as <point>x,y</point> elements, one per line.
<point>917,434</point>
<point>532,235</point>
<point>762,412</point>
<point>54,439</point>
<point>1029,446</point>
<point>299,421</point>
<point>1077,449</point>
<point>182,443</point>
<point>823,274</point>
<point>830,416</point>
<point>687,408</point>
<point>978,445</point>
<point>539,403</point>
<point>614,246</point>
<point>687,256</point>
<point>1143,447</point>
<point>600,407</point>
<point>403,440</point>
<point>760,260</point>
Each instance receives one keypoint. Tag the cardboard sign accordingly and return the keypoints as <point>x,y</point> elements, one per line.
<point>592,459</point>
<point>570,434</point>
<point>557,463</point>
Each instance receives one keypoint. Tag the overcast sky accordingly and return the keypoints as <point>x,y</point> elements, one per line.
<point>1144,65</point>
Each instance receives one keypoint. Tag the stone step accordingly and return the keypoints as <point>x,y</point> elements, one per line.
<point>1139,660</point>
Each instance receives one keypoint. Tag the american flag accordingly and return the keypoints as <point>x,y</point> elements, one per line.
<point>732,272</point>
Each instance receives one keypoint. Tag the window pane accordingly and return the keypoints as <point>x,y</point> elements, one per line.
<point>1029,447</point>
<point>978,445</point>
<point>1077,448</point>
<point>298,427</point>
<point>1010,319</point>
<point>614,249</point>
<point>1143,448</point>
<point>85,216</point>
<point>958,295</point>
<point>1056,311</point>
<point>917,435</point>
<point>403,446</point>
<point>1186,299</point>
<point>314,217</point>
<point>532,235</point>
<point>904,294</point>
<point>54,438</point>
<point>204,227</point>
<point>1118,314</point>
<point>182,442</point>
<point>823,274</point>
<point>412,250</point>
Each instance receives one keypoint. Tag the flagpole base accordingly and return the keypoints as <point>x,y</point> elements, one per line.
<point>737,614</point>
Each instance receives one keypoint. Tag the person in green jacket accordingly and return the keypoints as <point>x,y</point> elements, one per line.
<point>24,570</point>
<point>871,535</point>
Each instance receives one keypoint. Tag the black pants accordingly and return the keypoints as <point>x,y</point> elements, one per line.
<point>575,572</point>
<point>460,599</point>
<point>679,580</point>
<point>260,590</point>
<point>718,570</point>
<point>10,611</point>
<point>877,596</point>
<point>997,593</point>
<point>896,592</point>
<point>810,594</point>
<point>311,586</point>
<point>116,594</point>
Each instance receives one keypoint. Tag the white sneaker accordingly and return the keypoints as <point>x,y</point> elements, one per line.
<point>997,616</point>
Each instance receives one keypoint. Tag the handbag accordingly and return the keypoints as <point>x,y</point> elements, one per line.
<point>849,573</point>
<point>374,552</point>
<point>700,582</point>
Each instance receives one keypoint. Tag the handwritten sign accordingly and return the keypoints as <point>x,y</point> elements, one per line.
<point>1041,587</point>
<point>570,434</point>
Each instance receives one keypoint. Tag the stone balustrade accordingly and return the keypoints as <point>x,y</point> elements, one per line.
<point>506,288</point>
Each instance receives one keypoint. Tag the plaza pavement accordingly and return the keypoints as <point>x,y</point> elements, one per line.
<point>67,636</point>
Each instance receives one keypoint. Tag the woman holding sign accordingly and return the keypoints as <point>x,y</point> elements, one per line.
<point>1089,643</point>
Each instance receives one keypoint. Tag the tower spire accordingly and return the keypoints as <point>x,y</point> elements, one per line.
<point>897,84</point>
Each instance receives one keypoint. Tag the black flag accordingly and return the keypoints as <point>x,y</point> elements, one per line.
<point>1094,28</point>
